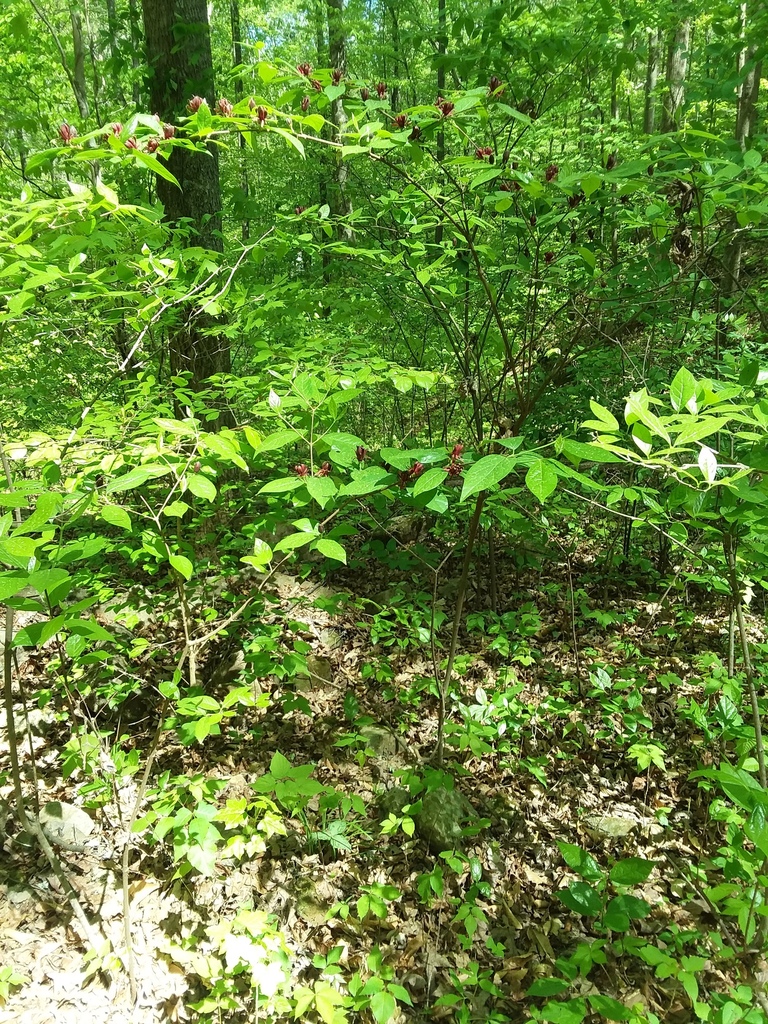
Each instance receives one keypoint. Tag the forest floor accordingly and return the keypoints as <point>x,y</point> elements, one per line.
<point>545,749</point>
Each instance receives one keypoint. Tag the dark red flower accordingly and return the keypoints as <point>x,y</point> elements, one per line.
<point>224,107</point>
<point>651,170</point>
<point>168,131</point>
<point>612,160</point>
<point>67,132</point>
<point>131,143</point>
<point>336,76</point>
<point>324,470</point>
<point>152,145</point>
<point>505,157</point>
<point>381,90</point>
<point>317,86</point>
<point>261,115</point>
<point>365,94</point>
<point>194,104</point>
<point>416,470</point>
<point>251,103</point>
<point>444,106</point>
<point>591,234</point>
<point>551,172</point>
<point>415,134</point>
<point>403,478</point>
<point>457,451</point>
<point>494,85</point>
<point>299,210</point>
<point>533,218</point>
<point>573,201</point>
<point>455,468</point>
<point>361,453</point>
<point>301,470</point>
<point>549,257</point>
<point>305,69</point>
<point>484,153</point>
<point>400,120</point>
<point>305,103</point>
<point>574,238</point>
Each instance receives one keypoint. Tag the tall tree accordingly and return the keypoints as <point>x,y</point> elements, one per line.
<point>337,52</point>
<point>677,68</point>
<point>179,58</point>
<point>651,80</point>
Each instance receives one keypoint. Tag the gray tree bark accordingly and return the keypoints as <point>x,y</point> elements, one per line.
<point>179,58</point>
<point>677,69</point>
<point>651,81</point>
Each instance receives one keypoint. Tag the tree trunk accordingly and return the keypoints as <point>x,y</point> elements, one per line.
<point>113,31</point>
<point>133,17</point>
<point>78,75</point>
<point>237,59</point>
<point>651,80</point>
<point>746,121</point>
<point>442,45</point>
<point>677,68</point>
<point>179,58</point>
<point>337,53</point>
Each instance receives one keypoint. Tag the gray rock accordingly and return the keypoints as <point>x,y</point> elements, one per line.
<point>66,825</point>
<point>601,827</point>
<point>228,670</point>
<point>442,816</point>
<point>381,741</point>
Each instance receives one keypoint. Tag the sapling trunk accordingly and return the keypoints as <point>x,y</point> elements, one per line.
<point>446,681</point>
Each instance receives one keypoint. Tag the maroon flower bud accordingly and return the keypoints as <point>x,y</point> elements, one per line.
<point>317,86</point>
<point>304,104</point>
<point>456,452</point>
<point>416,470</point>
<point>403,478</point>
<point>361,453</point>
<point>168,131</point>
<point>494,85</point>
<point>381,90</point>
<point>365,94</point>
<point>305,69</point>
<point>574,238</point>
<point>301,470</point>
<point>224,107</point>
<point>515,165</point>
<point>455,468</point>
<point>444,106</point>
<point>336,76</point>
<point>533,218</point>
<point>516,186</point>
<point>152,145</point>
<point>67,132</point>
<point>591,234</point>
<point>194,104</point>
<point>131,143</point>
<point>573,201</point>
<point>505,157</point>
<point>505,186</point>
<point>400,121</point>
<point>299,210</point>
<point>196,467</point>
<point>261,115</point>
<point>116,127</point>
<point>612,160</point>
<point>324,470</point>
<point>251,103</point>
<point>625,200</point>
<point>651,170</point>
<point>549,257</point>
<point>415,134</point>
<point>551,172</point>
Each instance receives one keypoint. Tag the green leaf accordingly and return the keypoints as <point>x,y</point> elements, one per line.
<point>383,1007</point>
<point>572,1011</point>
<point>541,480</point>
<point>581,862</point>
<point>281,485</point>
<point>429,481</point>
<point>115,515</point>
<point>201,486</point>
<point>367,481</point>
<point>273,442</point>
<point>485,473</point>
<point>289,137</point>
<point>328,1000</point>
<point>321,488</point>
<point>756,829</point>
<point>631,871</point>
<point>578,451</point>
<point>293,541</point>
<point>609,1008</point>
<point>331,549</point>
<point>581,898</point>
<point>682,391</point>
<point>548,987</point>
<point>88,628</point>
<point>136,477</point>
<point>182,565</point>
<point>604,420</point>
<point>11,583</point>
<point>176,508</point>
